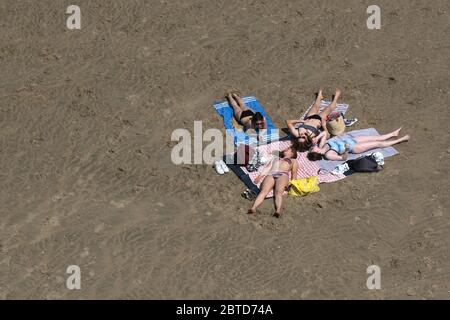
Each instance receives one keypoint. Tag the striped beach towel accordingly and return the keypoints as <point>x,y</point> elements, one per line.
<point>340,107</point>
<point>306,168</point>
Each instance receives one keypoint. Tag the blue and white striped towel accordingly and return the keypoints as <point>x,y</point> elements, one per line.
<point>240,136</point>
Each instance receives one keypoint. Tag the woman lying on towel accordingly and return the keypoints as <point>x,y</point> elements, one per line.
<point>245,116</point>
<point>275,176</point>
<point>307,131</point>
<point>338,149</point>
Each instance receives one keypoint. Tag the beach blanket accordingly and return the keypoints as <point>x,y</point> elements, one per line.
<point>340,107</point>
<point>387,152</point>
<point>306,168</point>
<point>236,130</point>
<point>243,176</point>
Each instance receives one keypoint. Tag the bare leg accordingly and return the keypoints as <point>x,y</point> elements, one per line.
<point>316,107</point>
<point>383,137</point>
<point>366,146</point>
<point>246,121</point>
<point>240,101</point>
<point>324,114</point>
<point>266,186</point>
<point>236,108</point>
<point>280,186</point>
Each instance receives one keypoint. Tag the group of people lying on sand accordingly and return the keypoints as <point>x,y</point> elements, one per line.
<point>308,135</point>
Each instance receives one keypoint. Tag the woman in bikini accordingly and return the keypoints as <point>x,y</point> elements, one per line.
<point>313,126</point>
<point>245,116</point>
<point>275,176</point>
<point>338,149</point>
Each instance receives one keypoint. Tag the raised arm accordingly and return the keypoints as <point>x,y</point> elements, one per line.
<point>290,124</point>
<point>321,139</point>
<point>324,125</point>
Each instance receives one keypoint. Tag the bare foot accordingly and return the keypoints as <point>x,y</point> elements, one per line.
<point>319,96</point>
<point>396,132</point>
<point>337,94</point>
<point>251,211</point>
<point>228,96</point>
<point>405,138</point>
<point>277,215</point>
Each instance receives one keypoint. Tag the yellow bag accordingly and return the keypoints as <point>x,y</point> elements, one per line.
<point>304,186</point>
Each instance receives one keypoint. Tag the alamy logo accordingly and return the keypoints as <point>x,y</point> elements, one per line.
<point>190,149</point>
<point>374,20</point>
<point>74,20</point>
<point>374,280</point>
<point>74,280</point>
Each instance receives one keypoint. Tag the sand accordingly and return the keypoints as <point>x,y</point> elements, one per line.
<point>86,177</point>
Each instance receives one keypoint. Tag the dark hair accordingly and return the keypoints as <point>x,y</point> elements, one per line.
<point>257,117</point>
<point>294,151</point>
<point>314,156</point>
<point>296,145</point>
<point>306,144</point>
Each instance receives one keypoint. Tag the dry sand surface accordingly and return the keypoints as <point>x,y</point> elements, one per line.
<point>86,176</point>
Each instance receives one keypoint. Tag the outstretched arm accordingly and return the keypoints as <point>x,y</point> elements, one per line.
<point>339,157</point>
<point>264,172</point>
<point>290,124</point>
<point>336,157</point>
<point>294,170</point>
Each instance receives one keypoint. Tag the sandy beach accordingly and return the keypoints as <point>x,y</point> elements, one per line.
<point>86,118</point>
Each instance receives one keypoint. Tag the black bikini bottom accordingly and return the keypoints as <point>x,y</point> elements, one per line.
<point>314,116</point>
<point>247,113</point>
